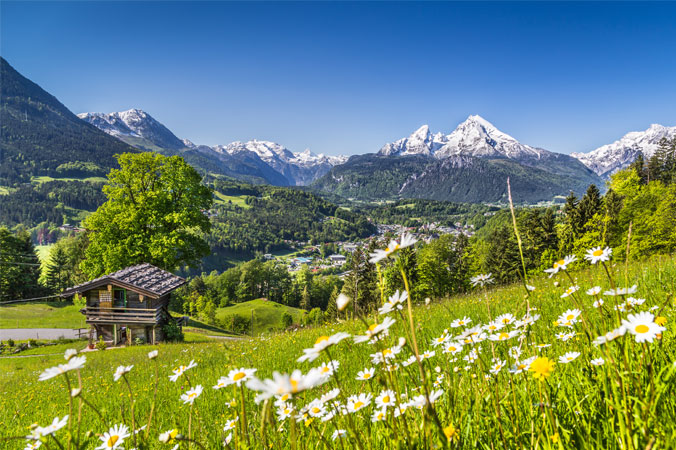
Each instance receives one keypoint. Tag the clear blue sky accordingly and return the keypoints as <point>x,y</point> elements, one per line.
<point>349,77</point>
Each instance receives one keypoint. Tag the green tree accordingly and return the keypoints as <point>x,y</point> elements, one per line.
<point>154,213</point>
<point>19,266</point>
<point>57,274</point>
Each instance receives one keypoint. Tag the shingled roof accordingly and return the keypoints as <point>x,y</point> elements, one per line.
<point>144,278</point>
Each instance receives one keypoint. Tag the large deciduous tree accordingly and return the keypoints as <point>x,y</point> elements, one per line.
<point>155,213</point>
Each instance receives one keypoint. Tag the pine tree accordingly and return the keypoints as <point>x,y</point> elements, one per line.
<point>589,205</point>
<point>332,308</point>
<point>57,276</point>
<point>305,299</point>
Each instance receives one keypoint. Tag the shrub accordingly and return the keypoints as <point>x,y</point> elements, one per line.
<point>100,344</point>
<point>10,342</point>
<point>172,332</point>
<point>287,320</point>
<point>237,324</point>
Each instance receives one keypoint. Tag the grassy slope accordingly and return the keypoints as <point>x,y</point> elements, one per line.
<point>656,280</point>
<point>41,315</point>
<point>267,314</point>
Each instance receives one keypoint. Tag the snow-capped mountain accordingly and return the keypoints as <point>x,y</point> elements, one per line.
<point>474,137</point>
<point>610,158</point>
<point>302,168</point>
<point>135,127</point>
<point>265,160</point>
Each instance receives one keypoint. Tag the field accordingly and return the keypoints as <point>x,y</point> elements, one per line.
<point>492,393</point>
<point>266,314</point>
<point>41,315</point>
<point>235,199</point>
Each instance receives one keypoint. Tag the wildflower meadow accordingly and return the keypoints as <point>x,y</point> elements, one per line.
<point>581,356</point>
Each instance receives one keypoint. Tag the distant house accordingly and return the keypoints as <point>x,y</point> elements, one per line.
<point>338,260</point>
<point>268,256</point>
<point>350,247</point>
<point>128,304</point>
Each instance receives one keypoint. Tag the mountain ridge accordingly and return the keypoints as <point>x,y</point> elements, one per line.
<point>610,158</point>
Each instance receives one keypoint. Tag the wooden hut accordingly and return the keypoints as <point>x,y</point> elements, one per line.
<point>128,304</point>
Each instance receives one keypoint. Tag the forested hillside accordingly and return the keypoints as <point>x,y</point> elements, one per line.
<point>40,136</point>
<point>455,179</point>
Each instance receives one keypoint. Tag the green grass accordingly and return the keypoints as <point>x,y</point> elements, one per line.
<point>45,178</point>
<point>50,347</point>
<point>235,199</point>
<point>627,403</point>
<point>267,314</point>
<point>41,315</point>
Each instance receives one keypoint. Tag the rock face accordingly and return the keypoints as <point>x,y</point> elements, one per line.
<point>610,158</point>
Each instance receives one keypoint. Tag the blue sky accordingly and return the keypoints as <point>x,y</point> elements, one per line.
<point>349,77</point>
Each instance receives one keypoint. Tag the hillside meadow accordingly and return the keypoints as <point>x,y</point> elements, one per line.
<point>527,378</point>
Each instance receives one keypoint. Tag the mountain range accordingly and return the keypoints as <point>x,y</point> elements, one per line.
<point>40,136</point>
<point>270,162</point>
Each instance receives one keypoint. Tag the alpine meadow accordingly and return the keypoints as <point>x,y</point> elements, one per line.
<point>283,225</point>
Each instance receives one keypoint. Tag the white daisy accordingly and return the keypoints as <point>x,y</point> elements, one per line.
<point>191,395</point>
<point>597,362</point>
<point>235,376</point>
<point>74,363</point>
<point>114,437</point>
<point>357,402</point>
<point>385,399</point>
<point>322,343</point>
<point>642,326</point>
<point>365,374</point>
<point>568,357</point>
<point>596,290</point>
<point>121,370</point>
<point>561,264</point>
<point>482,279</point>
<point>406,241</point>
<point>179,370</point>
<point>597,254</point>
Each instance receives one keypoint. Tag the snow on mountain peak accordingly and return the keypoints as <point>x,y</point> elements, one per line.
<point>474,137</point>
<point>610,158</point>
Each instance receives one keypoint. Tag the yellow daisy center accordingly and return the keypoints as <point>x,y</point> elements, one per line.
<point>386,399</point>
<point>294,385</point>
<point>373,326</point>
<point>597,253</point>
<point>367,375</point>
<point>321,339</point>
<point>642,329</point>
<point>325,369</point>
<point>112,440</point>
<point>315,410</point>
<point>558,263</point>
<point>570,317</point>
<point>358,405</point>
<point>238,376</point>
<point>503,336</point>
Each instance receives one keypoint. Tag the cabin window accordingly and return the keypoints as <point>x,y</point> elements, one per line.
<point>120,298</point>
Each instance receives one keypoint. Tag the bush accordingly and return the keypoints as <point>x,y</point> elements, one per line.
<point>139,341</point>
<point>237,324</point>
<point>172,332</point>
<point>100,344</point>
<point>287,320</point>
<point>10,342</point>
